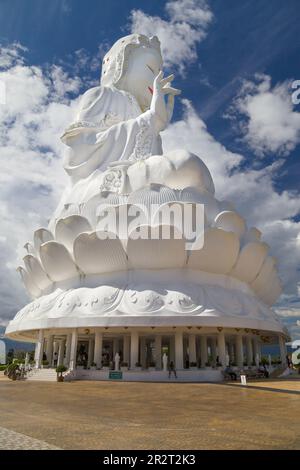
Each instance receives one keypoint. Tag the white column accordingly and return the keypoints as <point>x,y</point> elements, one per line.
<point>239,351</point>
<point>213,343</point>
<point>98,349</point>
<point>49,349</point>
<point>178,350</point>
<point>249,350</point>
<point>192,348</point>
<point>68,350</point>
<point>222,348</point>
<point>203,350</point>
<point>126,349</point>
<point>73,354</point>
<point>158,339</point>
<point>61,352</point>
<point>134,348</point>
<point>39,349</point>
<point>90,353</point>
<point>282,348</point>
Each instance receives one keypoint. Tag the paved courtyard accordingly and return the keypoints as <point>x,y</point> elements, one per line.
<point>110,415</point>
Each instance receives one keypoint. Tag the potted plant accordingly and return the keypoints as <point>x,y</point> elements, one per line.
<point>59,371</point>
<point>138,366</point>
<point>193,365</point>
<point>93,366</point>
<point>45,364</point>
<point>124,366</point>
<point>264,361</point>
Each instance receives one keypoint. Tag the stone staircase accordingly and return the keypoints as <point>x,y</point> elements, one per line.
<point>46,375</point>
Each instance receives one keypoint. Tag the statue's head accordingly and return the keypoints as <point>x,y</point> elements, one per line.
<point>132,64</point>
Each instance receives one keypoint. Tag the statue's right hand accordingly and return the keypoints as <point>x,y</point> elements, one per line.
<point>162,112</point>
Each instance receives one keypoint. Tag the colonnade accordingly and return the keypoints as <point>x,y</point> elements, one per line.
<point>183,348</point>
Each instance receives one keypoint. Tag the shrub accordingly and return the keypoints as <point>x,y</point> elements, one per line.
<point>61,369</point>
<point>3,367</point>
<point>264,361</point>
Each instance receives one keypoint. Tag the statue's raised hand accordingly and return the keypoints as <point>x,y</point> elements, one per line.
<point>162,111</point>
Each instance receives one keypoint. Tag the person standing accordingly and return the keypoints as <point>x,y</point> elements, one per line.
<point>172,369</point>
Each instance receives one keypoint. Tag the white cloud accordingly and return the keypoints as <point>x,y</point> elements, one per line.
<point>36,111</point>
<point>268,121</point>
<point>186,27</point>
<point>288,313</point>
<point>11,55</point>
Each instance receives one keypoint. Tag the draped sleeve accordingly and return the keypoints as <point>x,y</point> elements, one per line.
<point>108,127</point>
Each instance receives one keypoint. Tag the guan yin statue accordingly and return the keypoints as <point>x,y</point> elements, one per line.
<point>96,295</point>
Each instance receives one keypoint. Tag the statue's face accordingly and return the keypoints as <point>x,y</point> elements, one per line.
<point>143,66</point>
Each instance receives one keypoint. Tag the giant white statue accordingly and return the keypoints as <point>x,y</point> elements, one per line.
<point>114,144</point>
<point>143,294</point>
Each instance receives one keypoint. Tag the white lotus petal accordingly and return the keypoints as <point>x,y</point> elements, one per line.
<point>252,235</point>
<point>32,289</point>
<point>69,228</point>
<point>155,194</point>
<point>95,254</point>
<point>219,252</point>
<point>40,236</point>
<point>261,280</point>
<point>211,205</point>
<point>36,271</point>
<point>57,262</point>
<point>187,217</point>
<point>272,289</point>
<point>160,251</point>
<point>250,261</point>
<point>90,208</point>
<point>231,222</point>
<point>189,170</point>
<point>70,209</point>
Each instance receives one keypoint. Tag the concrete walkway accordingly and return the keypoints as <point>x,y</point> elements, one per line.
<point>131,415</point>
<point>11,440</point>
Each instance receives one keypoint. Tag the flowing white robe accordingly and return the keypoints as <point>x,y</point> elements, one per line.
<point>109,127</point>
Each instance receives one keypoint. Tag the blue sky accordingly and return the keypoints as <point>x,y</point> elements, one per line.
<point>236,56</point>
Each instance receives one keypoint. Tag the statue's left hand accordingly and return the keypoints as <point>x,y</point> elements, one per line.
<point>162,112</point>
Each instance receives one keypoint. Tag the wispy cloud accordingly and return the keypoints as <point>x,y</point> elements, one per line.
<point>266,115</point>
<point>186,26</point>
